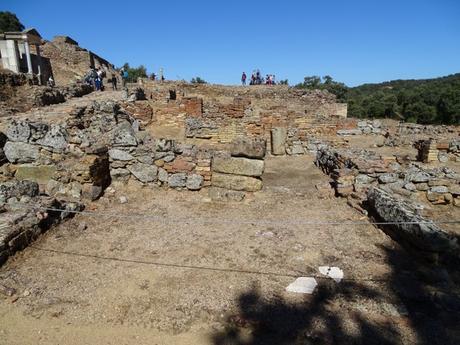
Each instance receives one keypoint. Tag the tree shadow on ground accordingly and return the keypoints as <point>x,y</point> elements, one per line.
<point>426,310</point>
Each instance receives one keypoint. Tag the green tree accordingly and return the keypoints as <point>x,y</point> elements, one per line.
<point>9,22</point>
<point>198,80</point>
<point>135,73</point>
<point>284,82</point>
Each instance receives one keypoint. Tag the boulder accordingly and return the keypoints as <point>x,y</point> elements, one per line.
<point>279,136</point>
<point>238,166</point>
<point>124,135</point>
<point>162,175</point>
<point>236,182</point>
<point>388,178</point>
<point>439,189</point>
<point>119,173</point>
<point>19,152</point>
<point>178,180</point>
<point>17,189</point>
<point>194,182</point>
<point>144,172</point>
<point>40,174</point>
<point>250,148</point>
<point>18,131</point>
<point>117,154</point>
<point>56,138</point>
<point>297,149</point>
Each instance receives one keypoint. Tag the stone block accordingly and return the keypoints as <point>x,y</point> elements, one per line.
<point>250,148</point>
<point>194,182</point>
<point>278,137</point>
<point>144,172</point>
<point>117,154</point>
<point>236,182</point>
<point>238,166</point>
<point>40,174</point>
<point>222,194</point>
<point>178,180</point>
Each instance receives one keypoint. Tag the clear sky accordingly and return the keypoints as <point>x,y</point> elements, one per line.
<point>353,41</point>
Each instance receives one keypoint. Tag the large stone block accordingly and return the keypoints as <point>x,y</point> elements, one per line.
<point>40,174</point>
<point>279,136</point>
<point>250,148</point>
<point>18,152</point>
<point>238,166</point>
<point>144,172</point>
<point>236,182</point>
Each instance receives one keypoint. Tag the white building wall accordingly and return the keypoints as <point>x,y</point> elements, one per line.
<point>9,55</point>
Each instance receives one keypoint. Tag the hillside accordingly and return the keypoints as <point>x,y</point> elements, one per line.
<point>423,101</point>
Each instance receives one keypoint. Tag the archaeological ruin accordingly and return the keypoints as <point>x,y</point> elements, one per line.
<point>279,169</point>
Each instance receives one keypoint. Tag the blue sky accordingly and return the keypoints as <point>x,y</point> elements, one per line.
<point>354,41</point>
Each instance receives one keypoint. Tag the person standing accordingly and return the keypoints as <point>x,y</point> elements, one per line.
<point>114,82</point>
<point>124,77</point>
<point>243,79</point>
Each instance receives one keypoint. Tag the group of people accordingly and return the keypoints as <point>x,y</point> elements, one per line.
<point>257,79</point>
<point>94,77</point>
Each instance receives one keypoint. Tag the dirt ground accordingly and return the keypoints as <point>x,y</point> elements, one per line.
<point>201,272</point>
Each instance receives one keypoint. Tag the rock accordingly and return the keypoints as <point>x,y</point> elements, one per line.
<point>439,182</point>
<point>250,148</point>
<point>238,166</point>
<point>19,152</point>
<point>82,226</point>
<point>417,231</point>
<point>164,145</point>
<point>439,189</point>
<point>146,159</point>
<point>16,188</point>
<point>435,197</point>
<point>305,285</point>
<point>40,174</point>
<point>222,194</point>
<point>123,199</point>
<point>364,179</point>
<point>410,186</point>
<point>18,131</point>
<point>91,192</point>
<point>56,138</point>
<point>422,186</point>
<point>380,140</point>
<point>346,132</point>
<point>236,182</point>
<point>194,182</point>
<point>448,198</point>
<point>119,173</point>
<point>124,135</point>
<point>117,154</point>
<point>177,180</point>
<point>144,172</point>
<point>279,136</point>
<point>388,178</point>
<point>455,189</point>
<point>297,149</point>
<point>376,123</point>
<point>419,177</point>
<point>162,175</point>
<point>443,157</point>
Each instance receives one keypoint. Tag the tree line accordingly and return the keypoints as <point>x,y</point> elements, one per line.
<point>425,101</point>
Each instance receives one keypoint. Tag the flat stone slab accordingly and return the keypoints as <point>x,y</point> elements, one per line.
<point>41,174</point>
<point>238,166</point>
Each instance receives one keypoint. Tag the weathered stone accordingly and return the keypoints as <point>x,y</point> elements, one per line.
<point>19,152</point>
<point>439,182</point>
<point>180,165</point>
<point>144,172</point>
<point>364,179</point>
<point>146,159</point>
<point>56,138</point>
<point>194,182</point>
<point>117,154</point>
<point>297,149</point>
<point>238,166</point>
<point>419,177</point>
<point>388,178</point>
<point>410,186</point>
<point>68,191</point>
<point>279,136</point>
<point>91,192</point>
<point>177,180</point>
<point>439,189</point>
<point>40,174</point>
<point>422,186</point>
<point>416,231</point>
<point>17,189</point>
<point>18,131</point>
<point>250,148</point>
<point>162,175</point>
<point>124,135</point>
<point>346,132</point>
<point>164,145</point>
<point>455,189</point>
<point>119,173</point>
<point>236,182</point>
<point>222,194</point>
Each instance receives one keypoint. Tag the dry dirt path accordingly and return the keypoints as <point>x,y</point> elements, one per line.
<point>176,279</point>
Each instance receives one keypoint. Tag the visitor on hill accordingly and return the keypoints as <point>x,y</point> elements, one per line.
<point>98,84</point>
<point>114,82</point>
<point>253,79</point>
<point>243,78</point>
<point>124,77</point>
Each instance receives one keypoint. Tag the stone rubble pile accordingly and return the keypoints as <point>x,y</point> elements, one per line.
<point>25,214</point>
<point>364,127</point>
<point>356,171</point>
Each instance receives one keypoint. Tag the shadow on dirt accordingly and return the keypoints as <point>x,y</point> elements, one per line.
<point>426,310</point>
